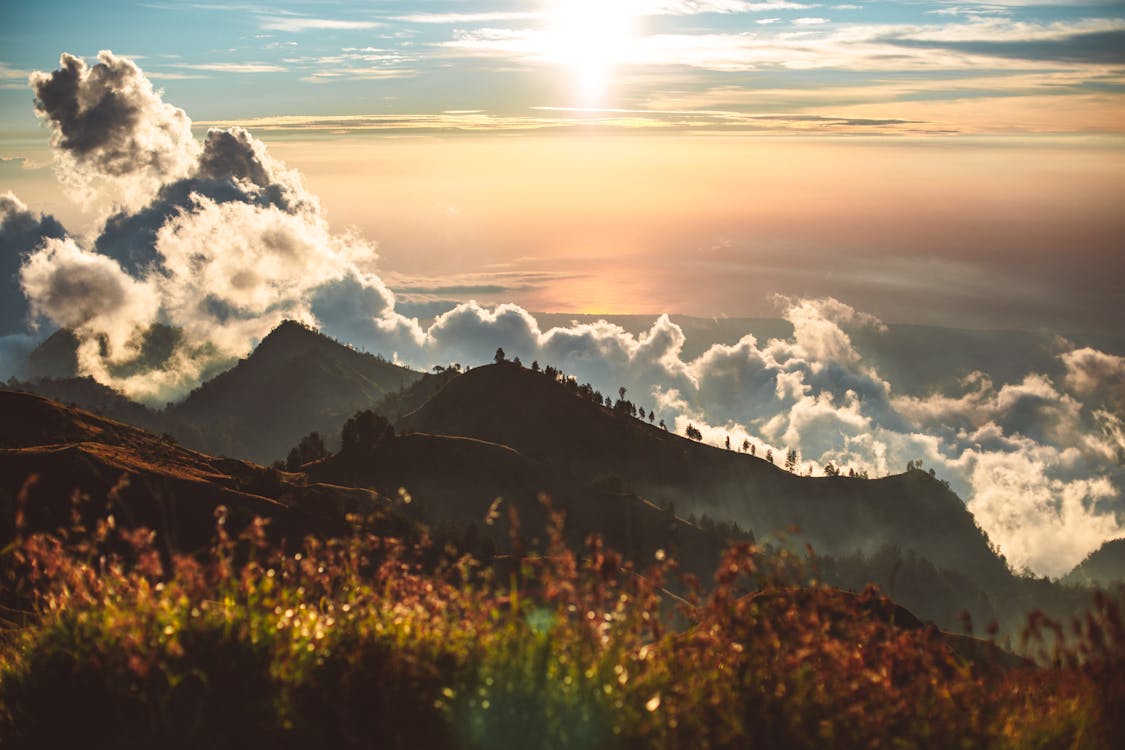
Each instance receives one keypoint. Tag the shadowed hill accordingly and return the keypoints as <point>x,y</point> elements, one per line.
<point>294,382</point>
<point>1105,566</point>
<point>453,482</point>
<point>87,393</point>
<point>541,419</point>
<point>50,452</point>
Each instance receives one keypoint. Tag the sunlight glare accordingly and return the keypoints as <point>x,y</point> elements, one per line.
<point>590,36</point>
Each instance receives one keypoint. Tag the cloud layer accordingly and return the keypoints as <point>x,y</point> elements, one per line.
<point>221,242</point>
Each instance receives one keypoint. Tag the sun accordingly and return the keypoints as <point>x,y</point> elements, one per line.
<point>590,37</point>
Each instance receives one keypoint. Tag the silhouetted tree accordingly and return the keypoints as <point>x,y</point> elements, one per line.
<point>693,433</point>
<point>651,416</point>
<point>535,365</point>
<point>310,448</point>
<point>662,425</point>
<point>769,455</point>
<point>791,460</point>
<point>745,446</point>
<point>728,442</point>
<point>364,432</point>
<point>499,356</point>
<point>830,470</point>
<point>517,362</point>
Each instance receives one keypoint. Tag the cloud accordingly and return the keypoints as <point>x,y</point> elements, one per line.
<point>21,231</point>
<point>89,294</point>
<point>1096,376</point>
<point>1044,524</point>
<point>295,24</point>
<point>115,139</point>
<point>1096,47</point>
<point>236,67</point>
<point>992,43</point>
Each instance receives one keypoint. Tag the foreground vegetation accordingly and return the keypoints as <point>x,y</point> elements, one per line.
<point>372,641</point>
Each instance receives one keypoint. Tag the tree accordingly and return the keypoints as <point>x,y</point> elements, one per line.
<point>651,416</point>
<point>753,450</point>
<point>791,460</point>
<point>621,392</point>
<point>728,442</point>
<point>830,470</point>
<point>364,432</point>
<point>745,446</point>
<point>693,433</point>
<point>310,448</point>
<point>663,426</point>
<point>769,455</point>
<point>535,365</point>
<point>500,356</point>
<point>517,362</point>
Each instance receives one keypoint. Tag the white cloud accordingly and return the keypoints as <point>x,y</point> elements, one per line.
<point>235,67</point>
<point>296,24</point>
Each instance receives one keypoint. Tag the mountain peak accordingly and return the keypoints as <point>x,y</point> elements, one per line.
<point>296,380</point>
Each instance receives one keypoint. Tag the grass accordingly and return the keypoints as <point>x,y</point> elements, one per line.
<point>369,641</point>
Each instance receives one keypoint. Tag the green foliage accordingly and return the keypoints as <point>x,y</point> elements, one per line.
<point>355,643</point>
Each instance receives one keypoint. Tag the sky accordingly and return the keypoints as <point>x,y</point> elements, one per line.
<point>413,178</point>
<point>602,156</point>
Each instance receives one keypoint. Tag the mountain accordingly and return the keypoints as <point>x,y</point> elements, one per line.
<point>545,421</point>
<point>1105,566</point>
<point>296,381</point>
<point>56,357</point>
<point>56,459</point>
<point>453,482</point>
<point>87,393</point>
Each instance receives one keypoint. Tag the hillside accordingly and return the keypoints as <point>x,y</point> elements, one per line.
<point>296,381</point>
<point>50,452</point>
<point>541,419</point>
<point>87,393</point>
<point>1105,566</point>
<point>454,481</point>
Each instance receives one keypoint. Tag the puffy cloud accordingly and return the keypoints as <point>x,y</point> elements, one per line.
<point>114,137</point>
<point>1044,523</point>
<point>1096,375</point>
<point>233,167</point>
<point>91,295</point>
<point>21,231</point>
<point>469,331</point>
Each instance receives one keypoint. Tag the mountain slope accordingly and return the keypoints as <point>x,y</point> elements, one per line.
<point>51,454</point>
<point>294,382</point>
<point>541,419</point>
<point>87,393</point>
<point>1105,566</point>
<point>454,481</point>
